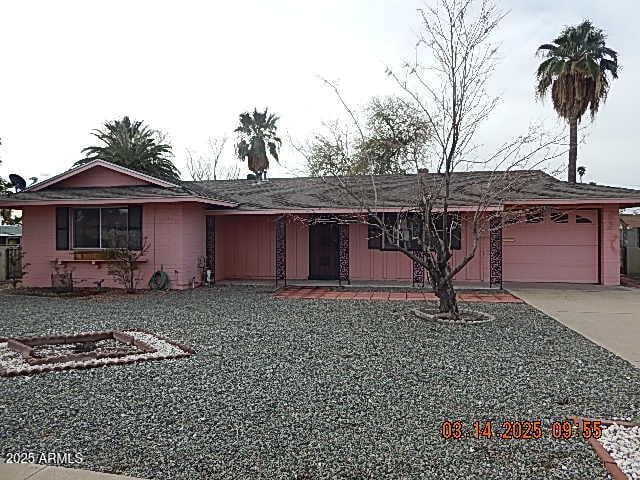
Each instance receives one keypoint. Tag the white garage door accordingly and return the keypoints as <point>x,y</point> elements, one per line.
<point>552,246</point>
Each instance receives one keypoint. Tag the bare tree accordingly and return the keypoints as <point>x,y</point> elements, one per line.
<point>209,166</point>
<point>124,265</point>
<point>450,91</point>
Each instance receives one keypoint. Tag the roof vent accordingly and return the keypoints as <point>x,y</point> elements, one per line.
<point>251,176</point>
<point>423,171</point>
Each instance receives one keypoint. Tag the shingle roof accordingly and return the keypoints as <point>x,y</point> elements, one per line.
<point>138,192</point>
<point>321,193</point>
<point>397,190</point>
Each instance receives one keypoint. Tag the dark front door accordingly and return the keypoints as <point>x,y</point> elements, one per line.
<point>323,251</point>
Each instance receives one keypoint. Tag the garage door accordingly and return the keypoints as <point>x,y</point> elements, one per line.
<point>552,246</point>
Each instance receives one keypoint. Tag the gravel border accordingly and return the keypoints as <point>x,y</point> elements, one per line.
<point>317,389</point>
<point>432,317</point>
<point>13,364</point>
<point>623,444</point>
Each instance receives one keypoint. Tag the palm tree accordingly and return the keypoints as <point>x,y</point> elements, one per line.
<point>577,66</point>
<point>581,171</point>
<point>257,134</point>
<point>133,145</point>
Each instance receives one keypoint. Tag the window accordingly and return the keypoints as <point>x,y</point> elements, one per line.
<point>374,234</point>
<point>406,231</point>
<point>86,228</point>
<point>114,227</point>
<point>558,216</point>
<point>511,218</point>
<point>118,227</point>
<point>581,219</point>
<point>535,216</point>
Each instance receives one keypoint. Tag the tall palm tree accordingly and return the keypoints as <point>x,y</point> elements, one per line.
<point>133,145</point>
<point>257,140</point>
<point>576,66</point>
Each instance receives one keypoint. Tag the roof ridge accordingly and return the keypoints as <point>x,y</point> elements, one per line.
<point>394,175</point>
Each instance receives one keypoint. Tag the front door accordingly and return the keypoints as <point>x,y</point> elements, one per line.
<point>323,251</point>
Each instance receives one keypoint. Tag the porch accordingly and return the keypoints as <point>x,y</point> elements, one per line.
<point>308,250</point>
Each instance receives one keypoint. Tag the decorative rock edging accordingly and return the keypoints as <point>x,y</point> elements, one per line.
<point>610,464</point>
<point>25,346</point>
<point>434,318</point>
<point>60,364</point>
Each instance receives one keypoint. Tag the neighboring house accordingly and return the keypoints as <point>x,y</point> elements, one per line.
<point>10,235</point>
<point>630,243</point>
<point>244,230</point>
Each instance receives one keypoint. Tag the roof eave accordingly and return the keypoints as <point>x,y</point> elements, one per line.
<point>337,210</point>
<point>626,202</point>
<point>17,204</point>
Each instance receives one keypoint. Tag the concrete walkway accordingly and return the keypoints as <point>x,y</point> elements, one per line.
<point>30,471</point>
<point>608,316</point>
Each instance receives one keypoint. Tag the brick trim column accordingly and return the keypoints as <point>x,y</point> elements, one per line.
<point>281,250</point>
<point>210,246</point>
<point>417,272</point>
<point>495,252</point>
<point>343,253</point>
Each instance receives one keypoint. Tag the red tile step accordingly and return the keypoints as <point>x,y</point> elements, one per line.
<point>326,293</point>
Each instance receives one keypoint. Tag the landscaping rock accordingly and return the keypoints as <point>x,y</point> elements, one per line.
<point>623,444</point>
<point>310,389</point>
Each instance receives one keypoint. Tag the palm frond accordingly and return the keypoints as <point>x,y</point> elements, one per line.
<point>133,145</point>
<point>575,69</point>
<point>257,134</point>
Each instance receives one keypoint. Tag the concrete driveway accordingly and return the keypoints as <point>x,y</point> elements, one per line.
<point>608,316</point>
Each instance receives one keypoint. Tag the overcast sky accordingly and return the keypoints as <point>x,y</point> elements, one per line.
<point>190,68</point>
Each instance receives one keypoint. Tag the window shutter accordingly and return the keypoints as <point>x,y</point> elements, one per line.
<point>374,235</point>
<point>62,228</point>
<point>135,227</point>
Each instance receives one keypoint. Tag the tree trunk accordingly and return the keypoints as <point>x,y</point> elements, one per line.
<point>448,302</point>
<point>573,149</point>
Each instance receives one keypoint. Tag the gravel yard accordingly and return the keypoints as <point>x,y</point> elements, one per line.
<point>310,389</point>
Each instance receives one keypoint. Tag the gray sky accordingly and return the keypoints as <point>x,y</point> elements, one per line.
<point>190,68</point>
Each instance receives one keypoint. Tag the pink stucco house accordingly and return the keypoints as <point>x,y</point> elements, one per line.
<point>245,230</point>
